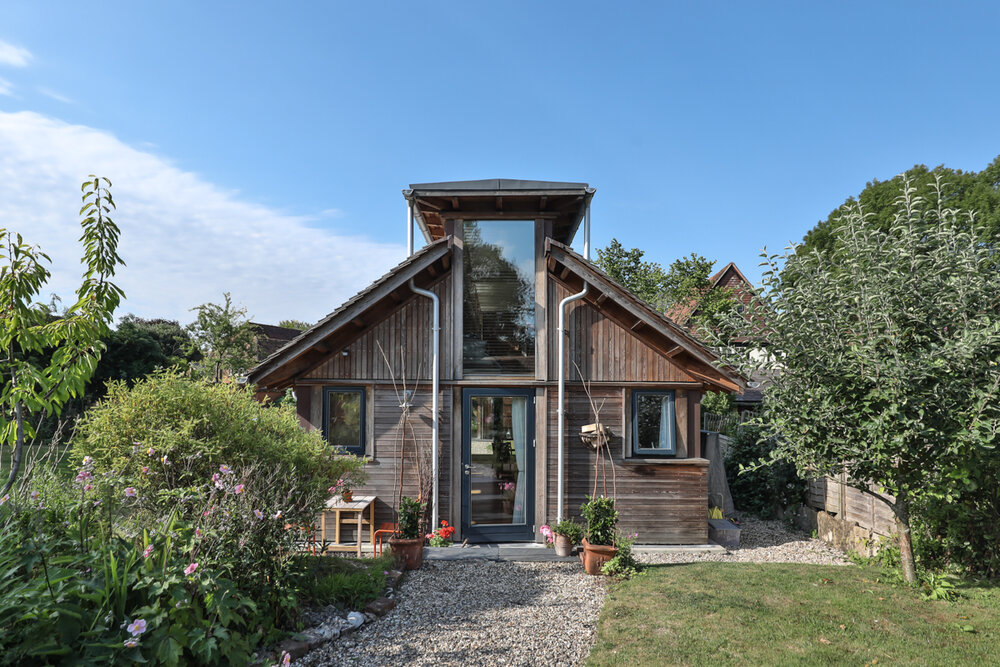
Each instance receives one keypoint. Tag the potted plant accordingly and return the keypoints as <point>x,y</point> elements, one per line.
<point>598,545</point>
<point>407,544</point>
<point>566,535</point>
<point>345,485</point>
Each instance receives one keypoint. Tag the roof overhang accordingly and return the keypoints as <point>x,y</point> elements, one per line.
<point>359,313</point>
<point>436,204</point>
<point>619,304</point>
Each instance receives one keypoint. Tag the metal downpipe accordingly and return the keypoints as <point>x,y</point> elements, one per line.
<point>560,411</point>
<point>435,388</point>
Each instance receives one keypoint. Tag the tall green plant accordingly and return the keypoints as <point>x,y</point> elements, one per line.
<point>884,354</point>
<point>48,360</point>
<point>602,519</point>
<point>225,338</point>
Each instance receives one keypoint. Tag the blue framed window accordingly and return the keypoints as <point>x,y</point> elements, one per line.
<point>344,418</point>
<point>654,423</point>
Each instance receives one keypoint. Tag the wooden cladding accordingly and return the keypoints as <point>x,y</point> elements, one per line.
<point>604,350</point>
<point>833,495</point>
<point>406,338</point>
<point>665,504</point>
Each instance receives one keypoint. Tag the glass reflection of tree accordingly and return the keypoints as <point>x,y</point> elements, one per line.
<point>499,307</point>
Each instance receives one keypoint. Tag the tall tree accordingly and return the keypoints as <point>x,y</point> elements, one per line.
<point>883,353</point>
<point>687,281</point>
<point>627,267</point>
<point>962,190</point>
<point>225,338</point>
<point>294,324</point>
<point>49,359</point>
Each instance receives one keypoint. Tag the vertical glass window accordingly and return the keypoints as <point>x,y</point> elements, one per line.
<point>499,299</point>
<point>344,418</point>
<point>654,425</point>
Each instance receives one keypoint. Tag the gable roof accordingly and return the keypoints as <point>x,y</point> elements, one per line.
<point>658,330</point>
<point>346,323</point>
<point>681,313</point>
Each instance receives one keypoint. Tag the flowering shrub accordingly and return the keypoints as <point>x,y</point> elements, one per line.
<point>547,533</point>
<point>442,536</point>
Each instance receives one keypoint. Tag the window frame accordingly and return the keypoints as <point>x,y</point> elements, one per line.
<point>361,391</point>
<point>671,451</point>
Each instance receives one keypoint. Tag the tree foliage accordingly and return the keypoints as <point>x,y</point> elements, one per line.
<point>646,280</point>
<point>294,324</point>
<point>48,360</point>
<point>966,191</point>
<point>225,338</point>
<point>884,353</point>
<point>688,281</point>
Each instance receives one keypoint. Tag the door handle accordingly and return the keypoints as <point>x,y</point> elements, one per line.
<point>468,469</point>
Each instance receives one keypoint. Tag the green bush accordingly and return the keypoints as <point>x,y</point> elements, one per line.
<point>623,565</point>
<point>761,489</point>
<point>602,519</point>
<point>410,512</point>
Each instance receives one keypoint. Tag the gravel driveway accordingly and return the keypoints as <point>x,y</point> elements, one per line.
<point>481,612</point>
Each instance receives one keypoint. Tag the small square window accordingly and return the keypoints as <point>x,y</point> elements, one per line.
<point>344,418</point>
<point>654,425</point>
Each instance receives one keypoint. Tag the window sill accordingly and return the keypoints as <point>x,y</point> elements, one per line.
<point>652,461</point>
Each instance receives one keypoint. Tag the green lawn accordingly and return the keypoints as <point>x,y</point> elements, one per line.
<point>747,613</point>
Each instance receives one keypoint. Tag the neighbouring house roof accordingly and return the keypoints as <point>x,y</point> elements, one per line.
<point>436,204</point>
<point>344,324</point>
<point>652,326</point>
<point>728,276</point>
<point>271,338</point>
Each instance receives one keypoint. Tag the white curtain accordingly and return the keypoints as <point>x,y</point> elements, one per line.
<point>664,442</point>
<point>519,431</point>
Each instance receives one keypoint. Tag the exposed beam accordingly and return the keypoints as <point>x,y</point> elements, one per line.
<point>601,297</point>
<point>564,273</point>
<point>358,322</point>
<point>550,263</point>
<point>675,351</point>
<point>424,202</point>
<point>713,380</point>
<point>446,262</point>
<point>570,204</point>
<point>396,297</point>
<point>431,270</point>
<point>499,203</point>
<point>638,325</point>
<point>543,201</point>
<point>454,203</point>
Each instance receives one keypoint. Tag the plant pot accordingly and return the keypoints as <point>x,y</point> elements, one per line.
<point>348,496</point>
<point>594,556</point>
<point>564,547</point>
<point>409,554</point>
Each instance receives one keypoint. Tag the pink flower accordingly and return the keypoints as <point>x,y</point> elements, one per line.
<point>258,514</point>
<point>429,535</point>
<point>238,489</point>
<point>197,532</point>
<point>189,570</point>
<point>97,502</point>
<point>34,495</point>
<point>137,627</point>
<point>277,515</point>
<point>130,492</point>
<point>286,659</point>
<point>150,451</point>
<point>131,643</point>
<point>148,551</point>
<point>225,470</point>
<point>88,487</point>
<point>5,498</point>
<point>84,475</point>
<point>145,470</point>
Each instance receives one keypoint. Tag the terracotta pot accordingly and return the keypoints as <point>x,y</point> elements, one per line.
<point>596,555</point>
<point>564,547</point>
<point>409,554</point>
<point>348,496</point>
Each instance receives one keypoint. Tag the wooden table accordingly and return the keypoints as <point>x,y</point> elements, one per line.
<point>345,512</point>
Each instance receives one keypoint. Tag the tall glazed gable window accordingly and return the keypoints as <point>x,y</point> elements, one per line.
<point>654,423</point>
<point>344,418</point>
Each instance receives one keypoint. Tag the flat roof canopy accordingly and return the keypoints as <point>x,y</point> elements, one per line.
<point>499,198</point>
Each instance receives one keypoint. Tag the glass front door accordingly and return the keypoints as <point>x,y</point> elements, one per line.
<point>498,465</point>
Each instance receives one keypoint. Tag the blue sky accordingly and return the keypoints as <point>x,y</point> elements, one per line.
<point>260,148</point>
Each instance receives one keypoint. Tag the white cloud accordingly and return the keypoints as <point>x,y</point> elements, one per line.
<point>14,56</point>
<point>6,87</point>
<point>185,240</point>
<point>48,92</point>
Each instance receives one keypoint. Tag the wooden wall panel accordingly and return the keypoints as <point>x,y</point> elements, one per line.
<point>383,468</point>
<point>604,350</point>
<point>664,503</point>
<point>850,504</point>
<point>405,335</point>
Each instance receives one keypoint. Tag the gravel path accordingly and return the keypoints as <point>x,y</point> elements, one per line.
<point>481,612</point>
<point>762,542</point>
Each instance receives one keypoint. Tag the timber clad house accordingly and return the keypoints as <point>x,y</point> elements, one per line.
<point>498,272</point>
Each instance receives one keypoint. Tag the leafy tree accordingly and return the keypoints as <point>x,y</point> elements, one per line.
<point>626,267</point>
<point>967,191</point>
<point>137,348</point>
<point>225,338</point>
<point>294,324</point>
<point>49,360</point>
<point>883,352</point>
<point>687,281</point>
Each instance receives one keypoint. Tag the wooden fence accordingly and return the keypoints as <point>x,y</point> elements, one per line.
<point>832,495</point>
